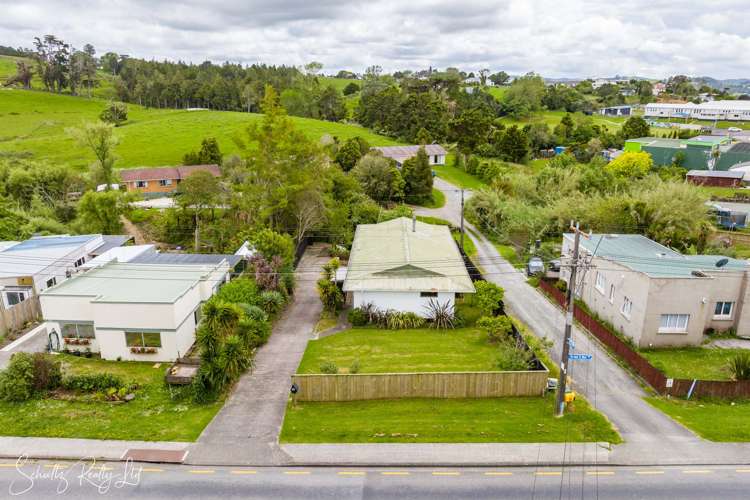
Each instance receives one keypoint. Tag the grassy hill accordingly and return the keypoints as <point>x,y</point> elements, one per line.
<point>35,122</point>
<point>552,118</point>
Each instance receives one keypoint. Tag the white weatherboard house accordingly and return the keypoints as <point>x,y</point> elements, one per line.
<point>403,264</point>
<point>128,311</point>
<point>435,152</point>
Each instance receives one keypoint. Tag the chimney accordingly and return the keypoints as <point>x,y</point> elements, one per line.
<point>413,223</point>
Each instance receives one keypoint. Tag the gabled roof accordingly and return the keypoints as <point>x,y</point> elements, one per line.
<point>728,174</point>
<point>186,258</point>
<point>158,173</point>
<point>36,254</point>
<point>405,256</point>
<point>400,153</point>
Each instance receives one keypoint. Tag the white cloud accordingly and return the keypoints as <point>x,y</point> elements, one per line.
<point>556,38</point>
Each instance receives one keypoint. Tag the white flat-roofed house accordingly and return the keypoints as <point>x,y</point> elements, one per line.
<point>731,110</point>
<point>435,152</point>
<point>403,265</point>
<point>132,311</point>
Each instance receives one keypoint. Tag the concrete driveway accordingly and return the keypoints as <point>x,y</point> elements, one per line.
<point>247,427</point>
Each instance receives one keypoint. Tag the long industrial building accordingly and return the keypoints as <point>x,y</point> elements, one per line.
<point>714,110</point>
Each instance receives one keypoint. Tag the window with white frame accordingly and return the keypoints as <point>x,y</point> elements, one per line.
<point>13,297</point>
<point>77,330</point>
<point>674,323</point>
<point>611,294</point>
<point>627,307</point>
<point>165,182</point>
<point>141,184</point>
<point>601,282</point>
<point>143,339</point>
<point>51,282</point>
<point>723,310</point>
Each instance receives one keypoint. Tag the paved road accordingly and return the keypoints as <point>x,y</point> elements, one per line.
<point>68,480</point>
<point>647,431</point>
<point>247,427</point>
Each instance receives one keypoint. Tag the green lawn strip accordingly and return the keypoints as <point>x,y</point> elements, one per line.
<point>504,420</point>
<point>721,192</point>
<point>509,253</point>
<point>326,321</point>
<point>714,420</point>
<point>438,199</point>
<point>151,416</point>
<point>398,351</point>
<point>692,362</point>
<point>36,121</point>
<point>458,177</point>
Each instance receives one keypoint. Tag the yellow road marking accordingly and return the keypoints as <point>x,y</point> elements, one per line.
<point>201,471</point>
<point>296,472</point>
<point>600,473</point>
<point>549,473</point>
<point>743,471</point>
<point>649,472</point>
<point>351,473</point>
<point>393,473</point>
<point>498,473</point>
<point>151,469</point>
<point>244,472</point>
<point>9,465</point>
<point>102,467</point>
<point>441,473</point>
<point>697,471</point>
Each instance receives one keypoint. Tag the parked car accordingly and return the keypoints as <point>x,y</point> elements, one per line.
<point>734,129</point>
<point>534,266</point>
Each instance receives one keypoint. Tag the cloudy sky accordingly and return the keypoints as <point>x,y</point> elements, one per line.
<point>557,38</point>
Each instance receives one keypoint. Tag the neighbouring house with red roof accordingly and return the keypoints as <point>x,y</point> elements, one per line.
<point>161,179</point>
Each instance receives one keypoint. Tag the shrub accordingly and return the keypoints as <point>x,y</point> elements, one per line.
<point>92,382</point>
<point>17,381</point>
<point>497,328</point>
<point>254,333</point>
<point>739,365</point>
<point>330,294</point>
<point>441,315</point>
<point>47,372</point>
<point>561,285</point>
<point>254,312</point>
<point>357,317</point>
<point>329,368</point>
<point>354,368</point>
<point>396,320</point>
<point>240,291</point>
<point>488,298</point>
<point>271,302</point>
<point>513,358</point>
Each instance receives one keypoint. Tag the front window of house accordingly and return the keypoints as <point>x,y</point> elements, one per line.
<point>51,282</point>
<point>13,297</point>
<point>723,310</point>
<point>428,294</point>
<point>165,182</point>
<point>77,330</point>
<point>141,184</point>
<point>674,323</point>
<point>143,339</point>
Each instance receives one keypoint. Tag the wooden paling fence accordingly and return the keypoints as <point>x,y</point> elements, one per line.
<point>15,317</point>
<point>441,385</point>
<point>726,389</point>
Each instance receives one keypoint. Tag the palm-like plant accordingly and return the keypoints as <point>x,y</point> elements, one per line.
<point>221,317</point>
<point>441,315</point>
<point>739,365</point>
<point>234,359</point>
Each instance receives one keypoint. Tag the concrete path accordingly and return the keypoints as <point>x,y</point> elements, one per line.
<point>246,429</point>
<point>606,385</point>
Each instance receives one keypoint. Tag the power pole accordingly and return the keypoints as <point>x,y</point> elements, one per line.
<point>562,382</point>
<point>462,220</point>
<point>197,234</point>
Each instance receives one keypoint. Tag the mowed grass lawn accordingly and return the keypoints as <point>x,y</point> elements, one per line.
<point>711,419</point>
<point>35,122</point>
<point>693,362</point>
<point>508,420</point>
<point>395,351</point>
<point>151,416</point>
<point>457,176</point>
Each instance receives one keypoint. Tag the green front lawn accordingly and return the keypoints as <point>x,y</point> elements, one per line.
<point>505,420</point>
<point>711,419</point>
<point>693,362</point>
<point>393,351</point>
<point>151,416</point>
<point>458,177</point>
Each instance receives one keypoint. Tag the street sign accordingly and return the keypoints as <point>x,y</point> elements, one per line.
<point>580,357</point>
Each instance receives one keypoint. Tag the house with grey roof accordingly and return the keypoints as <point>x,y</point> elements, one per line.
<point>132,311</point>
<point>435,152</point>
<point>655,295</point>
<point>403,265</point>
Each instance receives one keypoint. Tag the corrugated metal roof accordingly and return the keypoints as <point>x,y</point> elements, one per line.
<point>158,173</point>
<point>391,256</point>
<point>186,258</point>
<point>644,255</point>
<point>730,174</point>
